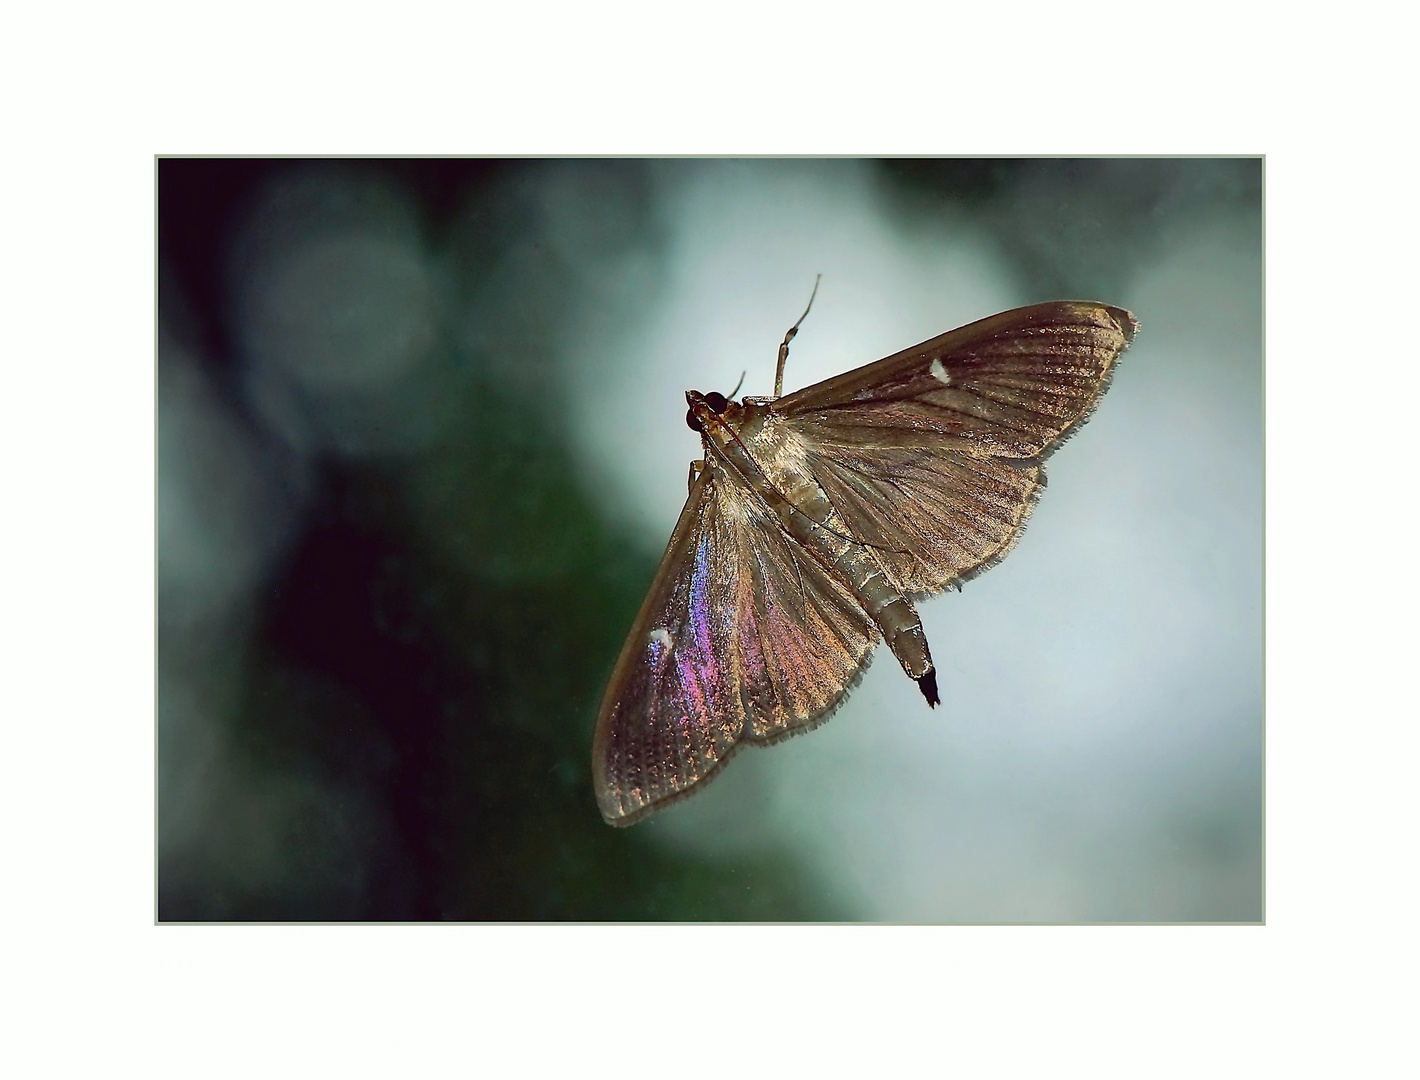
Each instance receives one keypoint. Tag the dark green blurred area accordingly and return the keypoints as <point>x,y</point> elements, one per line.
<point>395,721</point>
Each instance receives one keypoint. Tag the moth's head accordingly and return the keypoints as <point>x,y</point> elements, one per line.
<point>701,404</point>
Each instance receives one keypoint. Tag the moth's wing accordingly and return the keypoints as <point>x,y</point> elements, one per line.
<point>742,638</point>
<point>933,456</point>
<point>1009,386</point>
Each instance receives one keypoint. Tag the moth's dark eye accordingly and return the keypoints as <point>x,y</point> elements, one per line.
<point>690,420</point>
<point>716,402</point>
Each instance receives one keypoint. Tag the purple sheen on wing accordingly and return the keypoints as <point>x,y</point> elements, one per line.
<point>696,660</point>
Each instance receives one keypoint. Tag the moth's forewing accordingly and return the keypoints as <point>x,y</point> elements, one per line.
<point>740,639</point>
<point>1008,385</point>
<point>635,759</point>
<point>933,456</point>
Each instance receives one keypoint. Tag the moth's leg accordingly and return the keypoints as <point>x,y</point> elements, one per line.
<point>696,468</point>
<point>784,345</point>
<point>803,593</point>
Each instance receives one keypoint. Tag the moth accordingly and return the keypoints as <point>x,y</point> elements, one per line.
<point>813,523</point>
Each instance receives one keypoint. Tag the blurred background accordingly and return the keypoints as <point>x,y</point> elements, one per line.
<point>421,442</point>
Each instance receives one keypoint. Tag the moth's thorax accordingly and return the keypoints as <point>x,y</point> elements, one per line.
<point>781,455</point>
<point>753,439</point>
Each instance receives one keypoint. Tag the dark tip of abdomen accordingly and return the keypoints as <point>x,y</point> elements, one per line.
<point>928,684</point>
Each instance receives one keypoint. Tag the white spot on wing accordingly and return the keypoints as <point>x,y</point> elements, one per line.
<point>939,373</point>
<point>660,636</point>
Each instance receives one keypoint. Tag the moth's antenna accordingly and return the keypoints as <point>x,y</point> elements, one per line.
<point>784,348</point>
<point>736,390</point>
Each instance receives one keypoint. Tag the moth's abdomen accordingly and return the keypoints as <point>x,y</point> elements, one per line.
<point>896,617</point>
